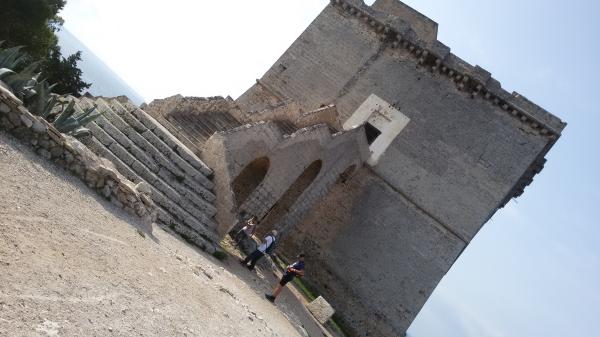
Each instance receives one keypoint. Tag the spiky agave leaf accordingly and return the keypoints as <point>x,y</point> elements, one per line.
<point>86,112</point>
<point>84,120</point>
<point>11,57</point>
<point>81,132</point>
<point>24,80</point>
<point>5,72</point>
<point>65,113</point>
<point>73,118</point>
<point>50,106</point>
<point>43,101</point>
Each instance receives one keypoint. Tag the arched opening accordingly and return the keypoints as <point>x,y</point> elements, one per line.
<point>288,199</point>
<point>344,176</point>
<point>249,179</point>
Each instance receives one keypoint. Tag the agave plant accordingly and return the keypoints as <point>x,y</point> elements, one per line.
<point>5,72</point>
<point>72,119</point>
<point>11,58</point>
<point>20,83</point>
<point>44,101</point>
<point>23,82</point>
<point>38,96</point>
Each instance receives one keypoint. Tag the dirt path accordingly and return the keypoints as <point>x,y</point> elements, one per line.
<point>71,264</point>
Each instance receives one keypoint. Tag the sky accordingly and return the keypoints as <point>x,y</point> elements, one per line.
<point>534,269</point>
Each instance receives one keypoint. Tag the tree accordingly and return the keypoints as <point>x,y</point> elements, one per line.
<point>28,23</point>
<point>64,72</point>
<point>33,24</point>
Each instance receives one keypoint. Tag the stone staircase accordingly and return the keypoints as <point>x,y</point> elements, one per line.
<point>144,151</point>
<point>202,126</point>
<point>286,127</point>
<point>194,119</point>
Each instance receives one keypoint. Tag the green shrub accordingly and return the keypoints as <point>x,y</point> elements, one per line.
<point>67,117</point>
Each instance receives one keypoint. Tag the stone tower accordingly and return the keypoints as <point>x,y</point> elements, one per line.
<point>370,146</point>
<point>448,147</point>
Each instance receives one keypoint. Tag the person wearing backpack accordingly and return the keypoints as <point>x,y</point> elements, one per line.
<point>266,247</point>
<point>295,269</point>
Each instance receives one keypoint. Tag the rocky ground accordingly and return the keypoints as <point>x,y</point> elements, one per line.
<point>72,264</point>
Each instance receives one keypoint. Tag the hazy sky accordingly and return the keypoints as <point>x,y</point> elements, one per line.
<point>534,270</point>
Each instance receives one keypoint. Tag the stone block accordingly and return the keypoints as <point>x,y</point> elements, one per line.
<point>14,118</point>
<point>4,108</point>
<point>39,126</point>
<point>27,119</point>
<point>321,309</point>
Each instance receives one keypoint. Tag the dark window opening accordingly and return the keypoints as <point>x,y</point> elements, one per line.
<point>371,132</point>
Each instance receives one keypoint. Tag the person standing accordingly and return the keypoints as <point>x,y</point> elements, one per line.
<point>246,231</point>
<point>265,247</point>
<point>295,269</point>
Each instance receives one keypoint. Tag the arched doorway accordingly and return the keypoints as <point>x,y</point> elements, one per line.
<point>288,199</point>
<point>249,179</point>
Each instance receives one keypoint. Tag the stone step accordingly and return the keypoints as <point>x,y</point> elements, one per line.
<point>152,132</point>
<point>154,175</point>
<point>194,129</point>
<point>122,120</point>
<point>234,122</point>
<point>186,232</point>
<point>168,138</point>
<point>176,130</point>
<point>121,146</point>
<point>189,190</point>
<point>184,128</point>
<point>286,126</point>
<point>200,124</point>
<point>205,226</point>
<point>218,118</point>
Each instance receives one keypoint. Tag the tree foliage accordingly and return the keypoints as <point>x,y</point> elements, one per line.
<point>33,24</point>
<point>64,72</point>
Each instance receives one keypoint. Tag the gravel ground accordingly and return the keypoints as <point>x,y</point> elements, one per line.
<point>72,264</point>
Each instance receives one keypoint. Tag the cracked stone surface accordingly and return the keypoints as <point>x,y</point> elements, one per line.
<point>72,264</point>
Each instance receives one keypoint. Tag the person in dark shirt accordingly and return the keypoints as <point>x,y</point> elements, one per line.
<point>293,270</point>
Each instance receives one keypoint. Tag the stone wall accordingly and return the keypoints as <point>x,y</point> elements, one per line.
<point>469,146</point>
<point>97,172</point>
<point>229,152</point>
<point>373,254</point>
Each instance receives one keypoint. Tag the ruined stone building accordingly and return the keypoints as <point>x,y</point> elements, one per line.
<point>368,144</point>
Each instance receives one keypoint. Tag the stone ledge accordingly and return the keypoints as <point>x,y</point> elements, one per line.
<point>436,57</point>
<point>97,172</point>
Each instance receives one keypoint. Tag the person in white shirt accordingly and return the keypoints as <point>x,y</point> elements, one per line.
<point>246,231</point>
<point>267,244</point>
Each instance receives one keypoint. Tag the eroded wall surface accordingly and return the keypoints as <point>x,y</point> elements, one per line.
<point>230,152</point>
<point>388,236</point>
<point>373,254</point>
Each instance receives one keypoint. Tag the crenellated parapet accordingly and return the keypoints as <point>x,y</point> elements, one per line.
<point>437,58</point>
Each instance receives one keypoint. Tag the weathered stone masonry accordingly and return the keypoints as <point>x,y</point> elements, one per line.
<point>469,146</point>
<point>98,173</point>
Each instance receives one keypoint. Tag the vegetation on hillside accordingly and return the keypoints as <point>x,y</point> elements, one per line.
<point>33,24</point>
<point>37,94</point>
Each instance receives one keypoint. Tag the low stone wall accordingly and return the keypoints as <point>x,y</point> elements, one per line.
<point>97,172</point>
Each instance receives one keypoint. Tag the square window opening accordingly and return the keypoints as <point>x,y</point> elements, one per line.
<point>371,132</point>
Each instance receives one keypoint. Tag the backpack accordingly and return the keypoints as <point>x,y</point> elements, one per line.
<point>272,246</point>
